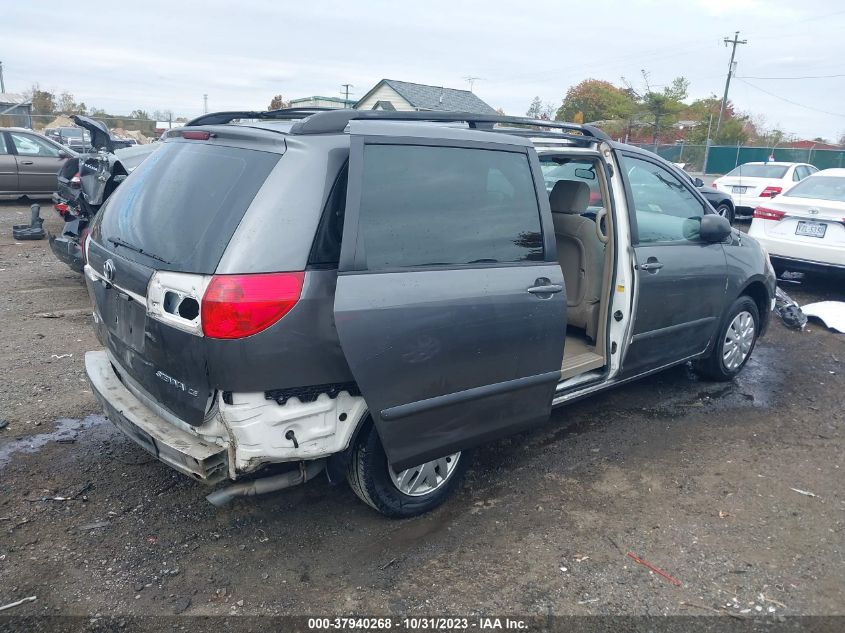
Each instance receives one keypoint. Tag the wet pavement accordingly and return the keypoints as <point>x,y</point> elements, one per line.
<point>707,482</point>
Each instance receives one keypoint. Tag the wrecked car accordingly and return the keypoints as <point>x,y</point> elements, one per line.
<point>373,294</point>
<point>85,183</point>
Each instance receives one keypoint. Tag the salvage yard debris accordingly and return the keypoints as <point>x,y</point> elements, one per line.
<point>806,493</point>
<point>831,313</point>
<point>18,603</point>
<point>789,311</point>
<point>656,570</point>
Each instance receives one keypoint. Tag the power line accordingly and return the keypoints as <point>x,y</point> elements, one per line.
<point>785,78</point>
<point>800,105</point>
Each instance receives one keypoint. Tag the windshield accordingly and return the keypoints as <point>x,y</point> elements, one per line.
<point>821,187</point>
<point>759,171</point>
<point>182,204</point>
<point>73,132</point>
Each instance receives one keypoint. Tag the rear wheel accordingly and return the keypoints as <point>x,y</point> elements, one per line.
<point>404,493</point>
<point>726,211</point>
<point>736,338</point>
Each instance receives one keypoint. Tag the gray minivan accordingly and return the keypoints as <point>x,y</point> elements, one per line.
<point>372,294</point>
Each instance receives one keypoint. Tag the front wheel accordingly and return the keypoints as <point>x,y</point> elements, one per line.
<point>404,493</point>
<point>736,338</point>
<point>726,212</point>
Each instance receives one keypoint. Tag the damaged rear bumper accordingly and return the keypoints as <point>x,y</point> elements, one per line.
<point>175,447</point>
<point>67,250</point>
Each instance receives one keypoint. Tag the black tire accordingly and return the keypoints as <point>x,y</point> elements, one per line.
<point>726,211</point>
<point>714,366</point>
<point>368,476</point>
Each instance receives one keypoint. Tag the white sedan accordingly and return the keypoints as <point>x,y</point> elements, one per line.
<point>804,228</point>
<point>753,184</point>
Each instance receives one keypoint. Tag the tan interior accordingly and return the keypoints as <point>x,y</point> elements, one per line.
<point>587,269</point>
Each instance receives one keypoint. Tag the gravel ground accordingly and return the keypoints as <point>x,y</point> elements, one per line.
<point>702,480</point>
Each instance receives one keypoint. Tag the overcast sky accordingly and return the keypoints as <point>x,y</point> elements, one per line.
<point>158,55</point>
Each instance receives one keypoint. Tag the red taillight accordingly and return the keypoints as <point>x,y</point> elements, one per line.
<point>770,192</point>
<point>235,306</point>
<point>194,135</point>
<point>61,207</point>
<point>762,213</point>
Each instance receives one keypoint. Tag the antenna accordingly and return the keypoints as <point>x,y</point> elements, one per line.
<point>471,81</point>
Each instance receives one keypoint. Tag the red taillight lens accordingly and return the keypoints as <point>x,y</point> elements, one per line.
<point>196,135</point>
<point>61,207</point>
<point>235,306</point>
<point>770,192</point>
<point>762,213</point>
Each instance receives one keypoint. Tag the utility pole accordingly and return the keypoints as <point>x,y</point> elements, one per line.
<point>734,41</point>
<point>707,145</point>
<point>2,83</point>
<point>346,88</point>
<point>205,104</point>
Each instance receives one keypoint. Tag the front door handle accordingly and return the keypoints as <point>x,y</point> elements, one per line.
<point>26,162</point>
<point>651,265</point>
<point>543,286</point>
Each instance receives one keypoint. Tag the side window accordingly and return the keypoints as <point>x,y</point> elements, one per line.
<point>798,174</point>
<point>666,210</point>
<point>811,170</point>
<point>446,206</point>
<point>3,149</point>
<point>325,252</point>
<point>27,145</point>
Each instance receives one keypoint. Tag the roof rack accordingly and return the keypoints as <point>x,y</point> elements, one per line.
<point>336,121</point>
<point>332,120</point>
<point>284,114</point>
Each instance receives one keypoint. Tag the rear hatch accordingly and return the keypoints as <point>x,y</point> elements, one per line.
<point>174,214</point>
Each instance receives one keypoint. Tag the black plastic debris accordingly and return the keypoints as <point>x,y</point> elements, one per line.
<point>32,231</point>
<point>789,311</point>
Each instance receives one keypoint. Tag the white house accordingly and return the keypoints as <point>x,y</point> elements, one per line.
<point>403,96</point>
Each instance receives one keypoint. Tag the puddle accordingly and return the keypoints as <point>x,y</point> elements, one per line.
<point>66,430</point>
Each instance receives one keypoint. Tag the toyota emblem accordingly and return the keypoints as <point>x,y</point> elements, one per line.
<point>108,270</point>
<point>813,211</point>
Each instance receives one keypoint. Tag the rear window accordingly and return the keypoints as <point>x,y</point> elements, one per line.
<point>182,205</point>
<point>821,187</point>
<point>759,171</point>
<point>442,206</point>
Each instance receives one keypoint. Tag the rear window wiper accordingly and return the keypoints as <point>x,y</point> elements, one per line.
<point>119,242</point>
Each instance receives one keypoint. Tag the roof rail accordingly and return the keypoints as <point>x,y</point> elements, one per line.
<point>220,118</point>
<point>328,121</point>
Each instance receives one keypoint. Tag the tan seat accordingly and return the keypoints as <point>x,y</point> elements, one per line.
<point>580,253</point>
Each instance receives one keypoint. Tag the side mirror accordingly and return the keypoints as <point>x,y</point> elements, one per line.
<point>714,228</point>
<point>63,154</point>
<point>698,182</point>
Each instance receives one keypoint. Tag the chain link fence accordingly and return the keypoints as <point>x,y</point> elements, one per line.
<point>723,158</point>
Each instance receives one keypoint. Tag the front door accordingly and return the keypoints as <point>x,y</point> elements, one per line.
<point>450,304</point>
<point>8,167</point>
<point>38,163</point>
<point>681,279</point>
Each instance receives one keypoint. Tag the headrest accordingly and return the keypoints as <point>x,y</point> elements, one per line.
<point>569,196</point>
